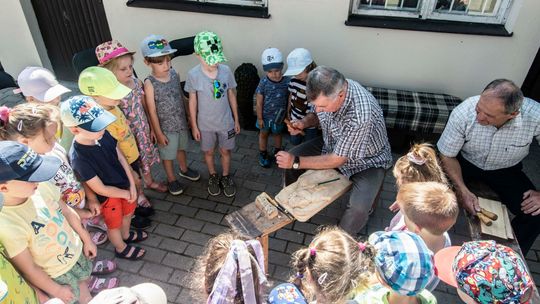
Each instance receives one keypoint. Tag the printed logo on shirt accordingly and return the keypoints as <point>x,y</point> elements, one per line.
<point>50,235</point>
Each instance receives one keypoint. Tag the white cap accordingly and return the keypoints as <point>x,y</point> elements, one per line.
<point>40,83</point>
<point>271,59</point>
<point>297,61</point>
<point>145,293</point>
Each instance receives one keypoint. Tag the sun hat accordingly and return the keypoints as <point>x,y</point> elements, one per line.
<point>109,50</point>
<point>145,293</point>
<point>484,270</point>
<point>98,81</point>
<point>403,261</point>
<point>297,61</point>
<point>272,59</point>
<point>82,111</point>
<point>19,162</point>
<point>156,46</point>
<point>40,83</point>
<point>208,46</point>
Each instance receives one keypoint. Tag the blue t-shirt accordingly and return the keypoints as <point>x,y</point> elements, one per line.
<point>99,160</point>
<point>275,95</point>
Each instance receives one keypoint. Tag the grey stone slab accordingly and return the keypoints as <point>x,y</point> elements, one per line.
<point>186,297</point>
<point>183,210</point>
<point>282,273</point>
<point>210,216</point>
<point>180,278</point>
<point>214,229</point>
<point>153,254</point>
<point>292,247</point>
<point>129,266</point>
<point>290,235</point>
<point>252,185</point>
<point>165,217</point>
<point>161,204</point>
<point>180,199</point>
<point>195,237</point>
<point>178,261</point>
<point>276,244</point>
<point>203,204</point>
<point>194,250</point>
<point>190,223</point>
<point>279,258</point>
<point>156,271</point>
<point>169,231</point>
<point>173,245</point>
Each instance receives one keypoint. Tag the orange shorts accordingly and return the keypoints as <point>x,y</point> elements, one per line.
<point>114,209</point>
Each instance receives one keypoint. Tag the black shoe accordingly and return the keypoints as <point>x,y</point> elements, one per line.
<point>264,160</point>
<point>229,188</point>
<point>145,211</point>
<point>139,222</point>
<point>175,188</point>
<point>190,174</point>
<point>213,185</point>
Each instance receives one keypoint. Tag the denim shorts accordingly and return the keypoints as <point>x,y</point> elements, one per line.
<point>79,272</point>
<point>270,126</point>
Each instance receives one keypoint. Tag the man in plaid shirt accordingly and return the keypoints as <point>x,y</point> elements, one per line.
<point>486,138</point>
<point>354,141</point>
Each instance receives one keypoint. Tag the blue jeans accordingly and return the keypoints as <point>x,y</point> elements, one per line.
<point>298,139</point>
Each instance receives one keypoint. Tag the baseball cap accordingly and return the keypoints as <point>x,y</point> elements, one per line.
<point>145,293</point>
<point>19,162</point>
<point>82,111</point>
<point>403,261</point>
<point>40,83</point>
<point>483,268</point>
<point>208,46</point>
<point>109,50</point>
<point>297,61</point>
<point>98,81</point>
<point>156,46</point>
<point>286,293</point>
<point>271,59</point>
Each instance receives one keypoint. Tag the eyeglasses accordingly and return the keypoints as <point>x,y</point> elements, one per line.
<point>158,44</point>
<point>217,91</point>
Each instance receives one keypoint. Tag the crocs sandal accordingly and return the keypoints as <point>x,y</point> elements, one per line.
<point>99,237</point>
<point>99,284</point>
<point>136,236</point>
<point>98,223</point>
<point>104,267</point>
<point>159,187</point>
<point>130,253</point>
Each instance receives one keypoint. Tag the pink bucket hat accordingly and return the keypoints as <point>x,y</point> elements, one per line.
<point>109,50</point>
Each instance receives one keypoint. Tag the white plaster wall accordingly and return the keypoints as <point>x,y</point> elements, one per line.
<point>451,63</point>
<point>17,47</point>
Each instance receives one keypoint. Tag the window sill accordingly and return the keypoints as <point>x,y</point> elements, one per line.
<point>199,7</point>
<point>440,26</point>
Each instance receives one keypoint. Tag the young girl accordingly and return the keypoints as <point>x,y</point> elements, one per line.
<point>299,64</point>
<point>334,268</point>
<point>119,60</point>
<point>230,260</point>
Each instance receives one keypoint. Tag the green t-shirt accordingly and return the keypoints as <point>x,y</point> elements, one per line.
<point>378,294</point>
<point>18,291</point>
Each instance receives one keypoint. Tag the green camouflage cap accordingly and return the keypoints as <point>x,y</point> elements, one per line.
<point>208,46</point>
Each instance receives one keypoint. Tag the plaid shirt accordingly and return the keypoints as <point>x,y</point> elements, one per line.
<point>487,147</point>
<point>357,131</point>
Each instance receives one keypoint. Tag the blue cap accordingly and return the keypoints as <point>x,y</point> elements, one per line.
<point>156,46</point>
<point>403,261</point>
<point>83,112</point>
<point>286,293</point>
<point>18,162</point>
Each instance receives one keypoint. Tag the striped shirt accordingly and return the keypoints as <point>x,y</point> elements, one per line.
<point>488,147</point>
<point>357,131</point>
<point>299,104</point>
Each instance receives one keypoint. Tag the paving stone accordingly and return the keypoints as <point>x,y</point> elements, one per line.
<point>183,210</point>
<point>305,227</point>
<point>178,261</point>
<point>210,216</point>
<point>276,244</point>
<point>174,245</point>
<point>292,247</point>
<point>249,184</point>
<point>169,231</point>
<point>194,250</point>
<point>156,271</point>
<point>129,266</point>
<point>225,209</point>
<point>190,223</point>
<point>202,204</point>
<point>213,229</point>
<point>197,192</point>
<point>185,297</point>
<point>278,258</point>
<point>289,235</point>
<point>195,237</point>
<point>165,217</point>
<point>153,240</point>
<point>153,254</point>
<point>161,204</point>
<point>180,199</point>
<point>282,273</point>
<point>180,278</point>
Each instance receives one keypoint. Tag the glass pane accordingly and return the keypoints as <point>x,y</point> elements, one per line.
<point>490,6</point>
<point>410,3</point>
<point>475,6</point>
<point>460,5</point>
<point>443,5</point>
<point>393,3</point>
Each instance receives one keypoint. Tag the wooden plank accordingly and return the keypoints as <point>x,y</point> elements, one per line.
<point>498,227</point>
<point>252,222</point>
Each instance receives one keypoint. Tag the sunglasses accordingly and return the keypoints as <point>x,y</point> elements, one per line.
<point>217,92</point>
<point>158,44</point>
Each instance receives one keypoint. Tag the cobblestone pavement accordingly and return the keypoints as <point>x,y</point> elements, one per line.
<point>183,224</point>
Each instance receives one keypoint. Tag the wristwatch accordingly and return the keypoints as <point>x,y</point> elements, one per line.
<point>296,163</point>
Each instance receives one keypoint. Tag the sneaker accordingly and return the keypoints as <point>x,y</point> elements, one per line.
<point>175,188</point>
<point>190,174</point>
<point>229,188</point>
<point>264,160</point>
<point>213,185</point>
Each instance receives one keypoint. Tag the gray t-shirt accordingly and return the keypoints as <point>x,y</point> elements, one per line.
<point>214,112</point>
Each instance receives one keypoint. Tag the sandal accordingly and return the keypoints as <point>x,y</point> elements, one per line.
<point>130,253</point>
<point>142,201</point>
<point>99,237</point>
<point>159,187</point>
<point>104,267</point>
<point>136,236</point>
<point>99,284</point>
<point>145,211</point>
<point>98,223</point>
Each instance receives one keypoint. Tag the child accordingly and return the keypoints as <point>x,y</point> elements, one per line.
<point>41,235</point>
<point>100,164</point>
<point>213,109</point>
<point>299,64</point>
<point>164,98</point>
<point>271,99</point>
<point>403,266</point>
<point>115,57</point>
<point>485,272</point>
<point>226,258</point>
<point>334,268</point>
<point>102,85</point>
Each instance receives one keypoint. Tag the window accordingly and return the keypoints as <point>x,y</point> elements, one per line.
<point>245,8</point>
<point>476,11</point>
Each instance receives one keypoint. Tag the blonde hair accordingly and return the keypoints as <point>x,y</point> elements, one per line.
<point>112,64</point>
<point>210,262</point>
<point>421,164</point>
<point>430,205</point>
<point>27,120</point>
<point>333,266</point>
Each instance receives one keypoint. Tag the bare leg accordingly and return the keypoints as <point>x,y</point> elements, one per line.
<point>209,159</point>
<point>263,140</point>
<point>182,160</point>
<point>225,160</point>
<point>278,140</point>
<point>169,170</point>
<point>84,292</point>
<point>140,192</point>
<point>115,236</point>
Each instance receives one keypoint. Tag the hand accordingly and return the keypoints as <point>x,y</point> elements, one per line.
<point>260,122</point>
<point>196,134</point>
<point>162,139</point>
<point>64,293</point>
<point>237,127</point>
<point>284,160</point>
<point>394,207</point>
<point>296,127</point>
<point>469,201</point>
<point>531,203</point>
<point>90,250</point>
<point>94,207</point>
<point>153,137</point>
<point>126,195</point>
<point>132,193</point>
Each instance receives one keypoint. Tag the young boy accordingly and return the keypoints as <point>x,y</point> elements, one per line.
<point>272,96</point>
<point>167,110</point>
<point>41,235</point>
<point>404,266</point>
<point>100,164</point>
<point>485,272</point>
<point>213,109</point>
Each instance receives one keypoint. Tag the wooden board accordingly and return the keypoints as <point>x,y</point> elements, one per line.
<point>509,232</point>
<point>252,222</point>
<point>498,227</point>
<point>305,197</point>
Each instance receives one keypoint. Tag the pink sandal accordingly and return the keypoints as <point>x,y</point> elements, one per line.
<point>104,267</point>
<point>159,187</point>
<point>99,284</point>
<point>99,237</point>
